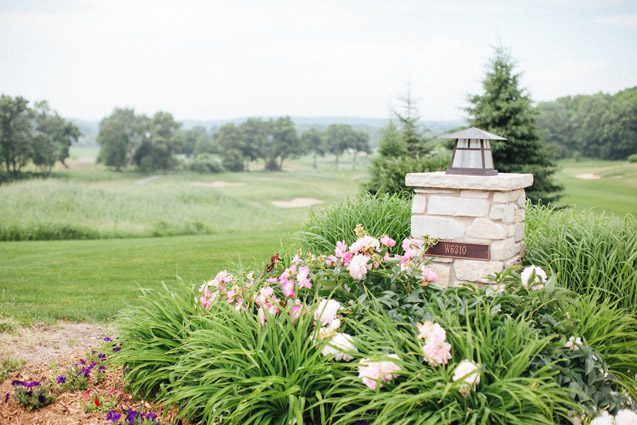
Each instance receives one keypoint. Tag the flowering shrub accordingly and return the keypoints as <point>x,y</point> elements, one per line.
<point>348,335</point>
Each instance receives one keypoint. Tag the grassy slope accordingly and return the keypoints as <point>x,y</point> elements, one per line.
<point>615,192</point>
<point>93,280</point>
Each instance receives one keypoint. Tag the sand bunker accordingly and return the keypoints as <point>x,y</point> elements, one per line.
<point>588,176</point>
<point>296,203</point>
<point>146,180</point>
<point>217,184</point>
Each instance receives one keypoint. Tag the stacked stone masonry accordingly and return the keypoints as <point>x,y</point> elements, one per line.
<point>486,210</point>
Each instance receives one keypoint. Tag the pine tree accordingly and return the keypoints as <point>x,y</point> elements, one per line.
<point>506,109</point>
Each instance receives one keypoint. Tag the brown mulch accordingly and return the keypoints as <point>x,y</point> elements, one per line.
<point>48,352</point>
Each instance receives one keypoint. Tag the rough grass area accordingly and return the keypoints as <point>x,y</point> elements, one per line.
<point>89,202</point>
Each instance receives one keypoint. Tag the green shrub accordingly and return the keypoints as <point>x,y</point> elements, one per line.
<point>588,253</point>
<point>205,163</point>
<point>632,158</point>
<point>379,214</point>
<point>232,160</point>
<point>388,173</point>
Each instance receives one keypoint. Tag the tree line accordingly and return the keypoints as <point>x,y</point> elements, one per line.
<point>153,143</point>
<point>601,125</point>
<point>32,134</point>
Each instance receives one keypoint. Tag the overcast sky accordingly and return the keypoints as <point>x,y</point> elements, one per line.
<point>209,60</point>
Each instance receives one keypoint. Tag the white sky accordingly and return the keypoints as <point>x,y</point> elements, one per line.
<point>209,60</point>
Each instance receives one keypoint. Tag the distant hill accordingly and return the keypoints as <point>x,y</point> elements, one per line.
<point>372,126</point>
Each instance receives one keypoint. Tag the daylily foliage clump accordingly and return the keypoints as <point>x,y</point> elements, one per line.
<point>364,334</point>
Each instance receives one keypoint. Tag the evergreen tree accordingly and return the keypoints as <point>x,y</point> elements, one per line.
<point>504,108</point>
<point>411,131</point>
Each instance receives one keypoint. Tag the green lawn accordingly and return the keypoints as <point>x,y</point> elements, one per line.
<point>45,281</point>
<point>604,186</point>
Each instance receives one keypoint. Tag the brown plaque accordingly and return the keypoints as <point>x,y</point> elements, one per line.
<point>460,250</point>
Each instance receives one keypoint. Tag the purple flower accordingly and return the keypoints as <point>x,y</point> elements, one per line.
<point>116,349</point>
<point>101,356</point>
<point>61,379</point>
<point>6,398</point>
<point>132,415</point>
<point>25,384</point>
<point>113,416</point>
<point>151,416</point>
<point>101,369</point>
<point>107,339</point>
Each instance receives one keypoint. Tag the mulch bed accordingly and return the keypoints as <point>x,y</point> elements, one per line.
<point>69,406</point>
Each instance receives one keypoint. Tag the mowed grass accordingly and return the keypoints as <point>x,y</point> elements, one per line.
<point>92,280</point>
<point>609,186</point>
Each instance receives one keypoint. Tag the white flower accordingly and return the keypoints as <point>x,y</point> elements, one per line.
<point>603,419</point>
<point>329,330</point>
<point>430,331</point>
<point>626,417</point>
<point>375,373</point>
<point>533,277</point>
<point>574,344</point>
<point>326,311</point>
<point>366,245</point>
<point>468,372</point>
<point>358,266</point>
<point>338,345</point>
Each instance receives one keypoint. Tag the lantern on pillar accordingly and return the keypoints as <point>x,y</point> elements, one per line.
<point>472,152</point>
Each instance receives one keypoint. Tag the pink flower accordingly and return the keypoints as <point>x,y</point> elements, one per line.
<point>358,266</point>
<point>428,275</point>
<point>347,258</point>
<point>375,373</point>
<point>341,249</point>
<point>331,260</point>
<point>431,332</point>
<point>296,310</point>
<point>288,288</point>
<point>412,247</point>
<point>261,315</point>
<point>303,277</point>
<point>437,353</point>
<point>387,241</point>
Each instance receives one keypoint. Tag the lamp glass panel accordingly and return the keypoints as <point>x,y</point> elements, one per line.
<point>467,159</point>
<point>463,143</point>
<point>487,144</point>
<point>474,144</point>
<point>488,159</point>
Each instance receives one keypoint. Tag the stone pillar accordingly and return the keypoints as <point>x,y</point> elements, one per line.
<point>484,211</point>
